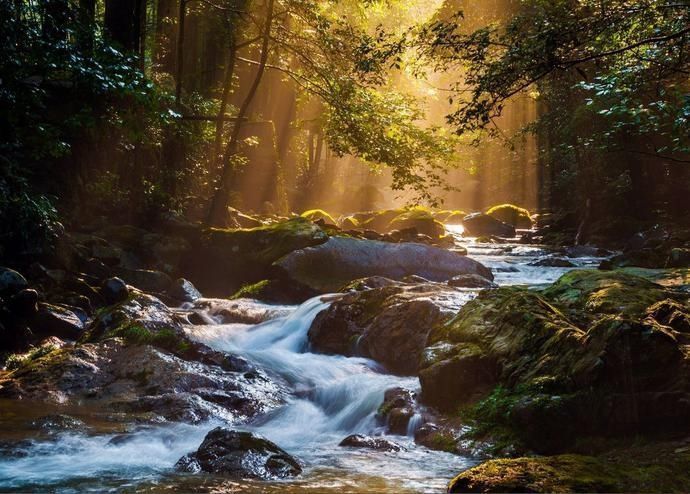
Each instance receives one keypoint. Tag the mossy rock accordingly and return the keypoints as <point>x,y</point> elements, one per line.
<point>319,214</point>
<point>419,218</point>
<point>450,216</point>
<point>512,215</point>
<point>508,335</point>
<point>605,292</point>
<point>227,259</point>
<point>650,468</point>
<point>377,220</point>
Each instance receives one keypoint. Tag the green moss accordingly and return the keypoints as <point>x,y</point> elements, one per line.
<point>265,244</point>
<point>318,214</point>
<point>136,334</point>
<point>252,290</point>
<point>16,360</point>
<point>605,292</point>
<point>443,441</point>
<point>511,214</point>
<point>419,218</point>
<point>651,468</point>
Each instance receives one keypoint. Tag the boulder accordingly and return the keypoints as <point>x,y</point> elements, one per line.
<point>114,290</point>
<point>471,281</point>
<point>136,358</point>
<point>421,220</point>
<point>522,361</point>
<point>368,442</point>
<point>389,324</point>
<point>479,224</point>
<point>224,260</point>
<point>331,265</point>
<point>552,262</point>
<point>397,409</point>
<point>183,290</point>
<point>53,320</point>
<point>660,467</point>
<point>512,215</point>
<point>240,455</point>
<point>11,282</point>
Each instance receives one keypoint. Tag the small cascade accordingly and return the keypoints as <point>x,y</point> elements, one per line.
<point>415,423</point>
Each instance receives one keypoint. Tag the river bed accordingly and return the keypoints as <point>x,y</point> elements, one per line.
<point>332,397</point>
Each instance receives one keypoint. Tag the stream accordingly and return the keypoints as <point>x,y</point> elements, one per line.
<point>333,397</point>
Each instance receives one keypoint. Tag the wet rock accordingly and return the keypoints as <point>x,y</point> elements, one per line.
<point>471,281</point>
<point>389,324</point>
<point>146,280</point>
<point>368,442</point>
<point>397,409</point>
<point>436,437</point>
<point>53,320</point>
<point>329,266</point>
<point>114,290</point>
<point>142,379</point>
<point>184,291</point>
<point>553,262</point>
<point>240,455</point>
<point>11,282</point>
<point>586,251</point>
<point>57,423</point>
<point>479,224</point>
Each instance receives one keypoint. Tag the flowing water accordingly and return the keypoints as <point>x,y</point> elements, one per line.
<point>333,397</point>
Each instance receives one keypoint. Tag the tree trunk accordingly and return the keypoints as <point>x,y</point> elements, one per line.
<point>219,203</point>
<point>179,67</point>
<point>122,23</point>
<point>220,123</point>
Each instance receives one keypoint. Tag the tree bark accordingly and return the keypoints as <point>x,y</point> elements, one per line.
<point>220,123</point>
<point>179,66</point>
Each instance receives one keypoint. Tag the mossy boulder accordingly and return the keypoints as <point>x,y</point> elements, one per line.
<point>483,225</point>
<point>500,336</point>
<point>226,259</point>
<point>421,219</point>
<point>319,214</point>
<point>512,215</point>
<point>650,468</point>
<point>450,216</point>
<point>590,292</point>
<point>587,356</point>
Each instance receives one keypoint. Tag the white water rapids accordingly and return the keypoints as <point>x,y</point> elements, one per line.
<point>333,397</point>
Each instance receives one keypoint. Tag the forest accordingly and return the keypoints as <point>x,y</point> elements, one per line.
<point>361,246</point>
